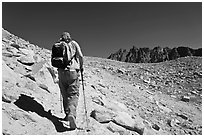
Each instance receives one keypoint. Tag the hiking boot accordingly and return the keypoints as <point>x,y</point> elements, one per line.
<point>66,117</point>
<point>72,122</point>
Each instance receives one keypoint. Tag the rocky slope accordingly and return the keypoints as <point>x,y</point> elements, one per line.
<point>155,55</point>
<point>121,98</point>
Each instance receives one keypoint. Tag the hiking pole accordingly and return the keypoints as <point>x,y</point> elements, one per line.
<point>85,103</point>
<point>61,101</point>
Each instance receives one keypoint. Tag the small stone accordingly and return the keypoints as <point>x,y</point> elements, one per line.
<point>93,87</point>
<point>156,127</point>
<point>151,98</point>
<point>97,70</point>
<point>149,92</point>
<point>120,71</point>
<point>173,122</point>
<point>182,116</point>
<point>136,86</point>
<point>98,100</point>
<point>147,81</point>
<point>43,86</point>
<point>188,94</point>
<point>185,98</point>
<point>15,45</point>
<point>19,84</point>
<point>170,122</point>
<point>194,92</point>
<point>173,96</point>
<point>147,123</point>
<point>177,121</point>
<point>30,76</point>
<point>100,84</point>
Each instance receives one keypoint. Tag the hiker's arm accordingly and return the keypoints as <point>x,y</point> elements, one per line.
<point>79,54</point>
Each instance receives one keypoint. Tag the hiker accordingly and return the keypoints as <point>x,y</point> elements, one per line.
<point>69,77</point>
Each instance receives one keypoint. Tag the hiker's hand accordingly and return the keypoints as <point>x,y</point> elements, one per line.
<point>56,80</point>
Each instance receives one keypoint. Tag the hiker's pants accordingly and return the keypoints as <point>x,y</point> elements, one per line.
<point>69,87</point>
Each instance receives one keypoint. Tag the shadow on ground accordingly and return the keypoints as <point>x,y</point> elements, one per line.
<point>28,103</point>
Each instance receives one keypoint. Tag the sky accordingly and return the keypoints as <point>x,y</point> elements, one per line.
<point>102,28</point>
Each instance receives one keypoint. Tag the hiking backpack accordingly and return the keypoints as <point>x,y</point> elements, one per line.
<point>59,57</point>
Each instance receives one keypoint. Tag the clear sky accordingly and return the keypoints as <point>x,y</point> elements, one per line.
<point>102,28</point>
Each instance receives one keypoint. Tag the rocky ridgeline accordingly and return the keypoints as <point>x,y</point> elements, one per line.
<point>121,98</point>
<point>157,54</point>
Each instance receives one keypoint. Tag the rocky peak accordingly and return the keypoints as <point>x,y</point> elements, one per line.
<point>157,54</point>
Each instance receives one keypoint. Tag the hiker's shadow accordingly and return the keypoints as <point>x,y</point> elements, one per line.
<point>28,103</point>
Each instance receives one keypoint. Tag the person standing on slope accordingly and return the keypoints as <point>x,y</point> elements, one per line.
<point>69,78</point>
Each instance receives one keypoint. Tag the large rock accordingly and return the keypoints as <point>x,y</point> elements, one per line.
<point>9,79</point>
<point>27,56</point>
<point>43,76</point>
<point>125,120</point>
<point>102,114</point>
<point>8,74</point>
<point>120,130</point>
<point>16,66</point>
<point>37,66</point>
<point>108,103</point>
<point>121,118</point>
<point>26,60</point>
<point>27,52</point>
<point>11,51</point>
<point>37,58</point>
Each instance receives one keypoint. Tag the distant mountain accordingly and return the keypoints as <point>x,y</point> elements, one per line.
<point>157,54</point>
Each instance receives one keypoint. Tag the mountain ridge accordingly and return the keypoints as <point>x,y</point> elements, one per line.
<point>155,55</point>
